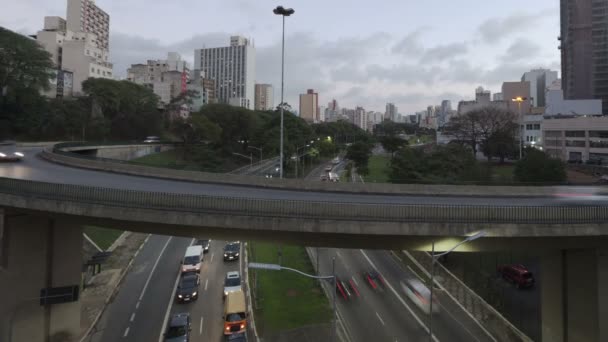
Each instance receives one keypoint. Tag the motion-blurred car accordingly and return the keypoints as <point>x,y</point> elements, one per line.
<point>517,274</point>
<point>346,289</point>
<point>418,293</point>
<point>152,139</point>
<point>187,289</point>
<point>374,279</point>
<point>178,329</point>
<point>11,157</point>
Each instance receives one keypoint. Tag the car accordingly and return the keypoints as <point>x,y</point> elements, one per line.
<point>187,288</point>
<point>240,337</point>
<point>324,178</point>
<point>203,243</point>
<point>328,168</point>
<point>418,293</point>
<point>232,282</point>
<point>11,157</point>
<point>517,274</point>
<point>374,279</point>
<point>152,139</point>
<point>346,289</point>
<point>336,161</point>
<point>178,329</point>
<point>231,251</point>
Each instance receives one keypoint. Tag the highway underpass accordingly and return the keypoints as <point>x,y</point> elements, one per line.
<point>45,204</point>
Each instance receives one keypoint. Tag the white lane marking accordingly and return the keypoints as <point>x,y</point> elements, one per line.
<point>210,261</point>
<point>126,332</point>
<point>397,256</point>
<point>162,329</point>
<point>132,317</point>
<point>200,330</point>
<point>380,318</point>
<point>338,254</point>
<point>399,297</point>
<point>415,273</point>
<point>137,305</point>
<point>353,278</point>
<point>154,268</point>
<point>206,283</point>
<point>444,309</point>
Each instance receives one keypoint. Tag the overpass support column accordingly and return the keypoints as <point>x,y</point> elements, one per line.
<point>36,253</point>
<point>574,295</point>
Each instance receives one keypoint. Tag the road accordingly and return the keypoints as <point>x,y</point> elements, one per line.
<point>34,168</point>
<point>387,314</point>
<point>146,298</point>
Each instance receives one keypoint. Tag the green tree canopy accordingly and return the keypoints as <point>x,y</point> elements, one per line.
<point>538,167</point>
<point>359,153</point>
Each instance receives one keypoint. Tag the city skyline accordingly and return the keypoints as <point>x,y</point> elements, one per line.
<point>399,57</point>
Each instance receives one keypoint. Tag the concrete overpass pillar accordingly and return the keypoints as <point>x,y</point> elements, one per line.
<point>574,295</point>
<point>37,253</point>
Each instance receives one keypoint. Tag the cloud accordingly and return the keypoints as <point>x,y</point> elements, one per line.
<point>521,49</point>
<point>496,29</point>
<point>410,44</point>
<point>443,52</point>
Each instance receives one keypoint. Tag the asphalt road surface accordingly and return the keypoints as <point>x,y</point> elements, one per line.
<point>34,168</point>
<point>146,298</point>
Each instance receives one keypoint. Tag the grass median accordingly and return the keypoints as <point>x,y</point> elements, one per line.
<point>379,168</point>
<point>285,300</point>
<point>103,237</point>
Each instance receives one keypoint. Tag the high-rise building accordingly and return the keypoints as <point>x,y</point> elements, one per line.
<point>309,105</point>
<point>166,77</point>
<point>497,97</point>
<point>539,80</point>
<point>391,112</point>
<point>264,97</point>
<point>482,96</point>
<point>85,16</point>
<point>79,47</point>
<point>232,68</point>
<point>361,118</point>
<point>584,49</point>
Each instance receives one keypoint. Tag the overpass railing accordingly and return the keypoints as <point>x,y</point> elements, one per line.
<point>305,209</point>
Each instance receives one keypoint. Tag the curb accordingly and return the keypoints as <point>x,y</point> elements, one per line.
<point>248,293</point>
<point>113,291</point>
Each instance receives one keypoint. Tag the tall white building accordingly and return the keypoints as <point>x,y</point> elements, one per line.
<point>361,118</point>
<point>264,97</point>
<point>233,70</point>
<point>539,80</point>
<point>79,46</point>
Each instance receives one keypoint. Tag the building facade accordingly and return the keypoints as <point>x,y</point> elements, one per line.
<point>576,138</point>
<point>85,16</point>
<point>539,80</point>
<point>309,106</point>
<point>584,49</point>
<point>168,78</point>
<point>264,97</point>
<point>390,112</point>
<point>557,105</point>
<point>232,68</point>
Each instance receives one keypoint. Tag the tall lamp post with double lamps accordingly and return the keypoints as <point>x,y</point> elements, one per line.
<point>284,12</point>
<point>519,101</point>
<point>436,257</point>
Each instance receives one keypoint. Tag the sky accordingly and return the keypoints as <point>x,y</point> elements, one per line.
<point>362,53</point>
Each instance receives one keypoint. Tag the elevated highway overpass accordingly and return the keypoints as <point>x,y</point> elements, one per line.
<point>47,198</point>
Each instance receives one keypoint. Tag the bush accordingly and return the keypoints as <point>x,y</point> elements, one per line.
<point>538,167</point>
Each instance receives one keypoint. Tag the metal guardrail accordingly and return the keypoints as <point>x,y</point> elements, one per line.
<point>304,209</point>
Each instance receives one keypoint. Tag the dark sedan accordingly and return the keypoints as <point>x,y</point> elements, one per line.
<point>187,289</point>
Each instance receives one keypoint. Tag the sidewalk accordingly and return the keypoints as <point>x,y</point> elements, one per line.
<point>101,288</point>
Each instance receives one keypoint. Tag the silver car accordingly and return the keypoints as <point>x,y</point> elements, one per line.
<point>232,282</point>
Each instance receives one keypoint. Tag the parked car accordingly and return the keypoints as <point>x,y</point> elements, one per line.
<point>11,157</point>
<point>517,274</point>
<point>231,251</point>
<point>178,329</point>
<point>187,289</point>
<point>232,282</point>
<point>203,243</point>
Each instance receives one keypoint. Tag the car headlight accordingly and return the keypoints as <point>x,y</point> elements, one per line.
<point>179,296</point>
<point>225,293</point>
<point>227,328</point>
<point>236,254</point>
<point>19,154</point>
<point>194,293</point>
<point>2,155</point>
<point>225,254</point>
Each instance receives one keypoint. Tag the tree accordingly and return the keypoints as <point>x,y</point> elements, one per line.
<point>538,167</point>
<point>501,144</point>
<point>392,144</point>
<point>359,153</point>
<point>25,69</point>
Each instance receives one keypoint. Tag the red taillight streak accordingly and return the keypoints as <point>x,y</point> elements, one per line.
<point>371,281</point>
<point>352,285</point>
<point>339,285</point>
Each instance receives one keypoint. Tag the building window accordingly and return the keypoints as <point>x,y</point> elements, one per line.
<point>598,134</point>
<point>575,143</point>
<point>537,127</point>
<point>92,70</point>
<point>575,134</point>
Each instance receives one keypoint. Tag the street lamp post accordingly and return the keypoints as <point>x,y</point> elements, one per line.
<point>275,267</point>
<point>259,149</point>
<point>519,100</point>
<point>434,259</point>
<point>298,157</point>
<point>244,156</point>
<point>284,12</point>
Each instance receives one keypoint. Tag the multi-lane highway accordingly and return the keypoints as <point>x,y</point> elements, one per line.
<point>34,168</point>
<point>146,298</point>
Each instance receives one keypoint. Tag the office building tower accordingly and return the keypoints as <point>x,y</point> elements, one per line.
<point>232,68</point>
<point>391,112</point>
<point>539,80</point>
<point>309,106</point>
<point>264,97</point>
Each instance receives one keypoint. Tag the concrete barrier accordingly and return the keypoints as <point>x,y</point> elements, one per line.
<point>292,184</point>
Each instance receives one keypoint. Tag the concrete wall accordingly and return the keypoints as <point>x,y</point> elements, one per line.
<point>120,152</point>
<point>41,252</point>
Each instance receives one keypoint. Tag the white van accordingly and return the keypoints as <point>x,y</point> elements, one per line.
<point>193,259</point>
